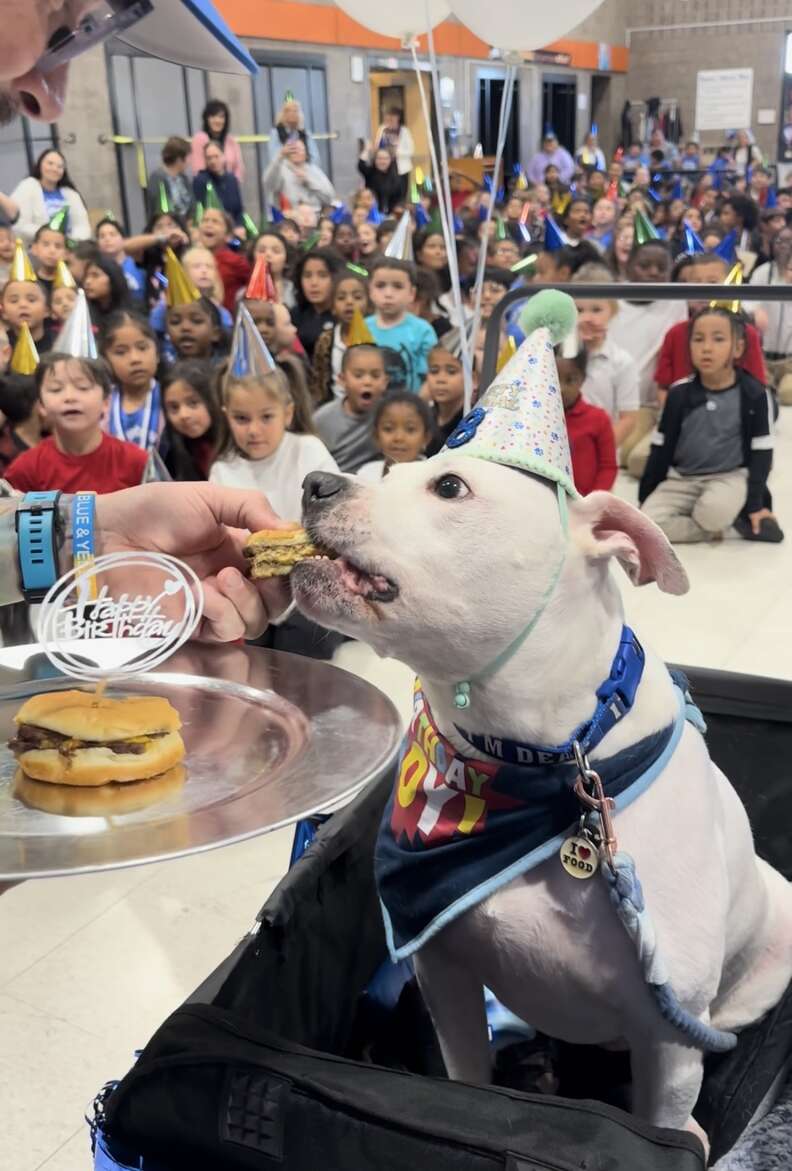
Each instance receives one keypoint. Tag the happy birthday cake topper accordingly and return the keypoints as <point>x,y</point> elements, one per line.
<point>93,627</point>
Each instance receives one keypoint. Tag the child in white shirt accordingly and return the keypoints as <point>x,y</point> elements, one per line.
<point>261,451</point>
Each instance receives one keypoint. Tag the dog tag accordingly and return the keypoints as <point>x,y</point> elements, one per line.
<point>579,857</point>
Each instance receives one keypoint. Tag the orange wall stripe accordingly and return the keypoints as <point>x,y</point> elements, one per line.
<point>289,20</point>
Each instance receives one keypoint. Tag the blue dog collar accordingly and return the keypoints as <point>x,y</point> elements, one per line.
<point>37,540</point>
<point>615,698</point>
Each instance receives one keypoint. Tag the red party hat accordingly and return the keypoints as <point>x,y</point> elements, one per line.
<point>261,286</point>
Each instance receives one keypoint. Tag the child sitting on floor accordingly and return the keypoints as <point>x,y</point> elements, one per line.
<point>712,452</point>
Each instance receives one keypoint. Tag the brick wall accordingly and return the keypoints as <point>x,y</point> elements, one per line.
<point>664,62</point>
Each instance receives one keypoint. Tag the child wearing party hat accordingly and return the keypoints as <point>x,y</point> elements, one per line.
<point>350,304</point>
<point>25,303</point>
<point>48,251</point>
<point>261,450</point>
<point>73,391</point>
<point>64,293</point>
<point>192,321</point>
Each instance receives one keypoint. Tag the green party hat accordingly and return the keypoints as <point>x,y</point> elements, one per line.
<point>198,213</point>
<point>644,228</point>
<point>288,97</point>
<point>500,229</point>
<point>164,205</point>
<point>249,225</point>
<point>59,222</point>
<point>310,241</point>
<point>212,199</point>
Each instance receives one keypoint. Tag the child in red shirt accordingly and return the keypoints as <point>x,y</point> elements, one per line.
<point>214,232</point>
<point>78,456</point>
<point>589,428</point>
<point>673,361</point>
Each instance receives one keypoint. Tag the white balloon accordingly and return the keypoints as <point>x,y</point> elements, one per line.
<point>522,24</point>
<point>407,18</point>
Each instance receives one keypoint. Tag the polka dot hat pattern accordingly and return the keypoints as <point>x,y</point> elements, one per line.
<point>522,424</point>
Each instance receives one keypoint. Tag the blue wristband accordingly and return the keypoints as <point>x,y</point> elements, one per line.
<point>84,538</point>
<point>37,525</point>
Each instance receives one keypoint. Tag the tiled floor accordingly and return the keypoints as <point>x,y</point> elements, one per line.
<point>89,966</point>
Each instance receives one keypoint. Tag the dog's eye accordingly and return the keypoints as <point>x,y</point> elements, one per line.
<point>450,487</point>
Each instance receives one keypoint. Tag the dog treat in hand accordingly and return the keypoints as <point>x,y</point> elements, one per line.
<point>275,552</point>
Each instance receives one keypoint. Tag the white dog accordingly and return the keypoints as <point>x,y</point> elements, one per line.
<point>441,565</point>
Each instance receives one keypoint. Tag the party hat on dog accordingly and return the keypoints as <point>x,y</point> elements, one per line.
<point>77,337</point>
<point>25,358</point>
<point>180,290</point>
<point>519,420</point>
<point>21,268</point>
<point>250,357</point>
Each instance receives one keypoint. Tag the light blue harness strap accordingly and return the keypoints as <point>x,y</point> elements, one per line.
<point>626,896</point>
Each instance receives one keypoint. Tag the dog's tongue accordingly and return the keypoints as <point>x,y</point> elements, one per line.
<point>358,582</point>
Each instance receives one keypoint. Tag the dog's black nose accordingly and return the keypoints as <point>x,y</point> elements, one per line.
<point>321,486</point>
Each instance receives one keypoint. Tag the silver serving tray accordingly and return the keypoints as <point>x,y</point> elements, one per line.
<point>270,738</point>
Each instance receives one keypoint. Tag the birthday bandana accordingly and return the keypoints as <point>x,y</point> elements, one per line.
<point>456,829</point>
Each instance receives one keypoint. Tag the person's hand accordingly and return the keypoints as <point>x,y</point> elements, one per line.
<point>756,519</point>
<point>177,238</point>
<point>206,526</point>
<point>240,234</point>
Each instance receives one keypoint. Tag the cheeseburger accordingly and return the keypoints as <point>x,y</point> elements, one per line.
<point>78,738</point>
<point>275,552</point>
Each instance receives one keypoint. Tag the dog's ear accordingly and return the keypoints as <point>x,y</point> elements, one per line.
<point>604,526</point>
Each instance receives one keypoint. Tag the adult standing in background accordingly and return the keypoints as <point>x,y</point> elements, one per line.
<point>225,184</point>
<point>394,136</point>
<point>589,154</point>
<point>292,177</point>
<point>745,152</point>
<point>289,127</point>
<point>217,128</point>
<point>47,190</point>
<point>551,154</point>
<point>171,178</point>
<point>381,176</point>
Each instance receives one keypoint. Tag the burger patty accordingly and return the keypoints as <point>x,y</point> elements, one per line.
<point>29,737</point>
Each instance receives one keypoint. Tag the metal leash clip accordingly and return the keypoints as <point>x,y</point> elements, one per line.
<point>591,794</point>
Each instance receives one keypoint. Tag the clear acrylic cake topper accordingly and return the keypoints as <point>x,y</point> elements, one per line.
<point>92,627</point>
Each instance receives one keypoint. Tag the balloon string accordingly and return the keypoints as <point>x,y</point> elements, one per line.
<point>445,209</point>
<point>503,126</point>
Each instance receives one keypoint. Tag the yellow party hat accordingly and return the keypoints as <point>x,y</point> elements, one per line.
<point>359,333</point>
<point>180,290</point>
<point>63,277</point>
<point>21,268</point>
<point>507,352</point>
<point>733,277</point>
<point>24,359</point>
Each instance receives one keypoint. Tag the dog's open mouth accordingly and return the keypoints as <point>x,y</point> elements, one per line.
<point>362,582</point>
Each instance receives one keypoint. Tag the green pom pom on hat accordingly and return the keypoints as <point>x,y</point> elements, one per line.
<point>551,310</point>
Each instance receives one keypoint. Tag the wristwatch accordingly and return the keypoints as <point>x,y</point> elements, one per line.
<point>38,530</point>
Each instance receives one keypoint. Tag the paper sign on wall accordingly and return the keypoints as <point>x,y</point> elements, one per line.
<point>724,99</point>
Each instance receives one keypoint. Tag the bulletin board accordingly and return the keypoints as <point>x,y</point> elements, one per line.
<point>724,99</point>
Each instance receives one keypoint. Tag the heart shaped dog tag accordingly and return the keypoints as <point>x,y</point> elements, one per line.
<point>579,858</point>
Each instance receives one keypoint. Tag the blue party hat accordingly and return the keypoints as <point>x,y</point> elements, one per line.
<point>250,357</point>
<point>375,216</point>
<point>549,132</point>
<point>554,238</point>
<point>276,215</point>
<point>594,130</point>
<point>692,240</point>
<point>421,216</point>
<point>654,194</point>
<point>772,198</point>
<point>339,214</point>
<point>727,249</point>
<point>676,190</point>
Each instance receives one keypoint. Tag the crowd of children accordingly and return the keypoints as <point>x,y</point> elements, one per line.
<point>331,341</point>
